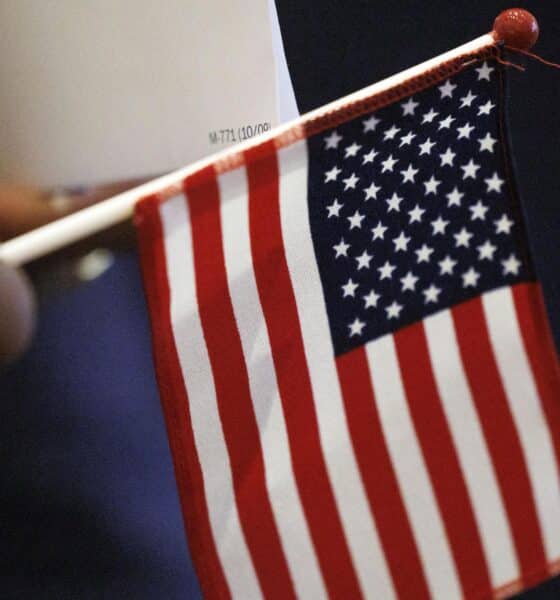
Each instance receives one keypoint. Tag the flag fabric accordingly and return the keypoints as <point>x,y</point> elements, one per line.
<point>355,366</point>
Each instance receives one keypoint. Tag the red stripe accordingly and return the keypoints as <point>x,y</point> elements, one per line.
<point>232,388</point>
<point>279,308</point>
<point>440,456</point>
<point>188,472</point>
<point>501,435</point>
<point>379,478</point>
<point>542,355</point>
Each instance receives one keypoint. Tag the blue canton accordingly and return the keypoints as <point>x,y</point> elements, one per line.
<point>411,211</point>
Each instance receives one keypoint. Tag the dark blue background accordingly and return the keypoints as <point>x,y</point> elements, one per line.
<point>88,502</point>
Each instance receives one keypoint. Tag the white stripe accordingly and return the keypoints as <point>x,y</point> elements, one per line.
<point>524,402</point>
<point>473,453</point>
<point>287,109</point>
<point>267,404</point>
<point>414,482</point>
<point>197,375</point>
<point>351,499</point>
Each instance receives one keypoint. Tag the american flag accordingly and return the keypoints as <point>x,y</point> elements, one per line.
<point>354,362</point>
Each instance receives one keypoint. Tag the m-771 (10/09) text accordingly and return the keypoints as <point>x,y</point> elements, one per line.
<point>232,135</point>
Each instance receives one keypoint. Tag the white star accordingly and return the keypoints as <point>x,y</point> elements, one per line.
<point>334,209</point>
<point>447,157</point>
<point>332,140</point>
<point>350,182</point>
<point>446,123</point>
<point>484,71</point>
<point>470,169</point>
<point>363,260</point>
<point>401,242</point>
<point>426,147</point>
<point>371,123</point>
<point>389,163</point>
<point>487,143</point>
<point>394,203</point>
<point>423,254</point>
<point>379,231</point>
<point>333,174</point>
<point>393,310</point>
<point>465,131</point>
<point>368,158</point>
<point>484,109</point>
<point>407,139</point>
<point>447,89</point>
<point>486,251</point>
<point>454,197</point>
<point>351,150</point>
<point>467,100</point>
<point>391,133</point>
<point>431,294</point>
<point>349,288</point>
<point>429,116</point>
<point>386,271</point>
<point>409,282</point>
<point>478,211</point>
<point>470,278</point>
<point>409,174</point>
<point>511,265</point>
<point>439,225</point>
<point>431,185</point>
<point>409,107</point>
<point>356,220</point>
<point>504,224</point>
<point>371,299</point>
<point>416,214</point>
<point>446,266</point>
<point>341,248</point>
<point>356,327</point>
<point>494,183</point>
<point>371,191</point>
<point>463,238</point>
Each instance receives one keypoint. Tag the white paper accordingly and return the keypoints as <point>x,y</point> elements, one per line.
<point>287,107</point>
<point>101,90</point>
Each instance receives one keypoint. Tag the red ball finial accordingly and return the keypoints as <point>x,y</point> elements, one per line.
<point>516,27</point>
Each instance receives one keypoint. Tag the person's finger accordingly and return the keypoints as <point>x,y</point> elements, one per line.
<point>23,208</point>
<point>17,313</point>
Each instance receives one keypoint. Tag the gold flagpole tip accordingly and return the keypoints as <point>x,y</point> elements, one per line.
<point>516,27</point>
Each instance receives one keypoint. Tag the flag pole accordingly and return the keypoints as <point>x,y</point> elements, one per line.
<point>512,27</point>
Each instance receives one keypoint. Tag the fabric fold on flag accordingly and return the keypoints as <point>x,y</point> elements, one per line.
<point>361,394</point>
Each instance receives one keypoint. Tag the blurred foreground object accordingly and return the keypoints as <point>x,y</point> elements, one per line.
<point>17,313</point>
<point>24,208</point>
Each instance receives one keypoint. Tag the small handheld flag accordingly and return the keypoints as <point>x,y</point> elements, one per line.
<point>353,356</point>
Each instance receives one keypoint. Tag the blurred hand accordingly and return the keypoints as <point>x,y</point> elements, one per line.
<point>23,208</point>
